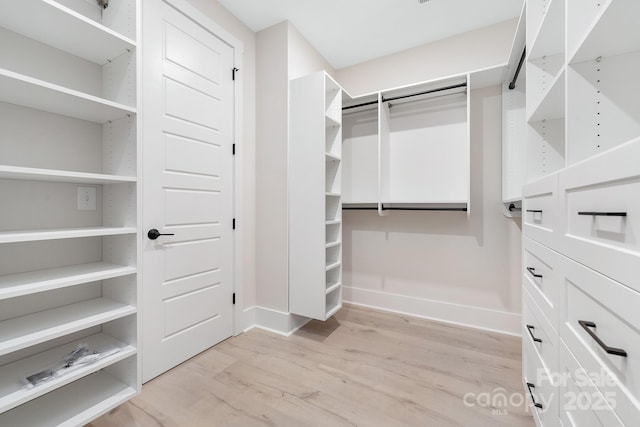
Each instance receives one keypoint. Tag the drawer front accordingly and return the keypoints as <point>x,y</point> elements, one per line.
<point>540,210</point>
<point>541,277</point>
<point>537,330</point>
<point>594,195</point>
<point>612,315</point>
<point>581,403</point>
<point>538,379</point>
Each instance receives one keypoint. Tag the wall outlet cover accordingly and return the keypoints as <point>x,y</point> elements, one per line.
<point>87,198</point>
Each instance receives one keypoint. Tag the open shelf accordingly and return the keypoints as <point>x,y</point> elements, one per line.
<point>333,309</point>
<point>333,265</point>
<point>15,285</point>
<point>12,376</point>
<point>58,26</point>
<point>331,122</point>
<point>63,233</point>
<point>549,39</point>
<point>73,405</point>
<point>332,244</point>
<point>333,222</point>
<point>552,104</point>
<point>332,157</point>
<point>332,194</point>
<point>614,31</point>
<point>333,287</point>
<point>25,331</point>
<point>33,93</point>
<point>34,174</point>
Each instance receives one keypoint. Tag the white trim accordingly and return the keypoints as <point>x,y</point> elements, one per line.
<point>278,322</point>
<point>211,26</point>
<point>457,314</point>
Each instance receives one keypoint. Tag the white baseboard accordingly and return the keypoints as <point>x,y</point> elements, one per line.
<point>463,315</point>
<point>272,320</point>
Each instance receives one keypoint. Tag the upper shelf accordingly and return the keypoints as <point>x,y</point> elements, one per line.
<point>34,174</point>
<point>549,39</point>
<point>33,93</point>
<point>551,105</point>
<point>615,31</point>
<point>55,25</point>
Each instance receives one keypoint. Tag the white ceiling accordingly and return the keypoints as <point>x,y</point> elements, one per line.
<point>348,32</point>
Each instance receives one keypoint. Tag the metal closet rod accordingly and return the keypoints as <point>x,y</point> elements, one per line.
<point>426,92</point>
<point>512,85</point>
<point>394,208</point>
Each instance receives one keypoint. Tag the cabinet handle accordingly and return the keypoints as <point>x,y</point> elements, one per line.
<point>533,399</point>
<point>534,210</point>
<point>603,213</point>
<point>529,328</point>
<point>587,325</point>
<point>533,272</point>
<point>153,234</point>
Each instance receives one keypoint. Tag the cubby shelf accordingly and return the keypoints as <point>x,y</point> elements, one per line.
<point>328,194</point>
<point>333,287</point>
<point>333,265</point>
<point>26,91</point>
<point>15,285</point>
<point>332,157</point>
<point>58,26</point>
<point>332,245</point>
<point>333,310</point>
<point>332,121</point>
<point>25,331</point>
<point>332,222</point>
<point>12,376</point>
<point>549,39</point>
<point>614,31</point>
<point>552,105</point>
<point>34,174</point>
<point>73,405</point>
<point>62,233</point>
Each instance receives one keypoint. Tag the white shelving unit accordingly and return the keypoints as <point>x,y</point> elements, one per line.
<point>514,123</point>
<point>315,196</point>
<point>68,92</point>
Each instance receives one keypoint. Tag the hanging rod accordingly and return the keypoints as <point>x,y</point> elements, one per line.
<point>426,92</point>
<point>394,208</point>
<point>512,85</point>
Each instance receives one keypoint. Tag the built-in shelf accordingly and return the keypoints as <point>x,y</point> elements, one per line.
<point>332,157</point>
<point>12,376</point>
<point>332,222</point>
<point>614,31</point>
<point>333,287</point>
<point>549,39</point>
<point>34,174</point>
<point>551,105</point>
<point>333,310</point>
<point>58,26</point>
<point>333,194</point>
<point>73,405</point>
<point>328,245</point>
<point>333,265</point>
<point>332,122</point>
<point>33,93</point>
<point>15,285</point>
<point>21,332</point>
<point>62,233</point>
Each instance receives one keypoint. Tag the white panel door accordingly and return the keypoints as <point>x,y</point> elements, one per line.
<point>188,185</point>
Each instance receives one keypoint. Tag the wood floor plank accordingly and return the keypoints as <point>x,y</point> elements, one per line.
<point>361,368</point>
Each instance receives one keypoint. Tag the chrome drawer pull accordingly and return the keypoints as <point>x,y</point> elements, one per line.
<point>603,213</point>
<point>529,328</point>
<point>534,210</point>
<point>533,272</point>
<point>611,350</point>
<point>533,399</point>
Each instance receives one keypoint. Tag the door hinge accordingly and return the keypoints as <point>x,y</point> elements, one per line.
<point>234,298</point>
<point>234,70</point>
<point>233,149</point>
<point>234,223</point>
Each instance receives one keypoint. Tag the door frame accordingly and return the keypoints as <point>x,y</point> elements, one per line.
<point>215,29</point>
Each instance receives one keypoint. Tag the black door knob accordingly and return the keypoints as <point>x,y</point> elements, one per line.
<point>153,234</point>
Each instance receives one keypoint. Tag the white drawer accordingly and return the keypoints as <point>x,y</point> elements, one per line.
<point>581,403</point>
<point>537,330</point>
<point>541,277</point>
<point>588,296</point>
<point>537,385</point>
<point>540,210</point>
<point>606,184</point>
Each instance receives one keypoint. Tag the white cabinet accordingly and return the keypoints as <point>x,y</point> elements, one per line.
<point>68,91</point>
<point>315,197</point>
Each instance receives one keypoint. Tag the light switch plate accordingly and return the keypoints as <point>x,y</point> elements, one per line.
<point>87,198</point>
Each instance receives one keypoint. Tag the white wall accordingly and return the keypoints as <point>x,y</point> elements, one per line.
<point>230,23</point>
<point>474,50</point>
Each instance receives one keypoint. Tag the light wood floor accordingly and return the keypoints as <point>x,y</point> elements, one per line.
<point>360,368</point>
